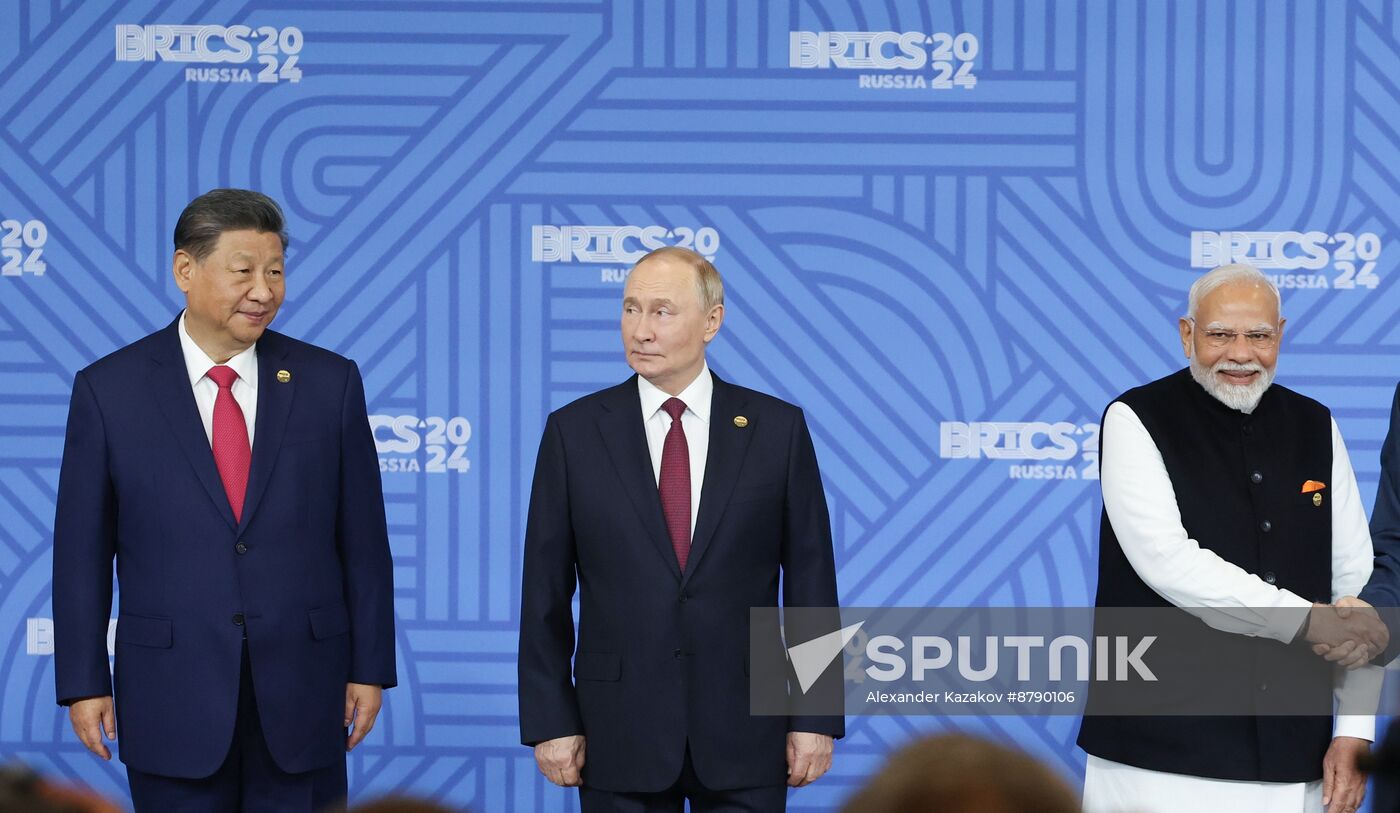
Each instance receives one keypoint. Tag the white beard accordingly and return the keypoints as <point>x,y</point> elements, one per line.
<point>1235,396</point>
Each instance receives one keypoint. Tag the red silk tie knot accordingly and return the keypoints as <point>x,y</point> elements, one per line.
<point>674,484</point>
<point>232,453</point>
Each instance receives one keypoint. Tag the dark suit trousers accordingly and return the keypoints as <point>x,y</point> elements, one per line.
<point>770,799</point>
<point>249,781</point>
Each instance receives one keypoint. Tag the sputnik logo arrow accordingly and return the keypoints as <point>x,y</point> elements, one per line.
<point>811,658</point>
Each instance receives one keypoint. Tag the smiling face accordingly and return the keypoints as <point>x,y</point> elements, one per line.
<point>232,295</point>
<point>664,326</point>
<point>1233,342</point>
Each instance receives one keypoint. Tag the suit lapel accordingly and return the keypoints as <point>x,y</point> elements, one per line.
<point>728,444</point>
<point>170,383</point>
<point>274,405</point>
<point>624,436</point>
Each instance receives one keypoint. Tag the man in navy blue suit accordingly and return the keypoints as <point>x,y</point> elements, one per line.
<point>230,471</point>
<point>674,502</point>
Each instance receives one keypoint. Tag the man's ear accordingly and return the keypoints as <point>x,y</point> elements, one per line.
<point>1184,325</point>
<point>183,267</point>
<point>713,320</point>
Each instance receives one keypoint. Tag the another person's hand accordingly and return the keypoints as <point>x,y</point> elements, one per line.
<point>91,718</point>
<point>1355,652</point>
<point>362,703</point>
<point>1343,784</point>
<point>808,757</point>
<point>561,760</point>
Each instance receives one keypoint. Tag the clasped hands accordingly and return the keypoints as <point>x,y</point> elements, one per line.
<point>1349,634</point>
<point>561,759</point>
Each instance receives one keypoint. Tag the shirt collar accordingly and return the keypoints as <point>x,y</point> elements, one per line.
<point>697,395</point>
<point>197,362</point>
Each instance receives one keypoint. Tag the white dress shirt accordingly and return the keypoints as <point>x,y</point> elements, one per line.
<point>695,422</point>
<point>1141,504</point>
<point>245,389</point>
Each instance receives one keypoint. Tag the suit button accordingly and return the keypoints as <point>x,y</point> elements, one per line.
<point>1256,478</point>
<point>238,619</point>
<point>241,548</point>
<point>1266,526</point>
<point>1263,687</point>
<point>1270,577</point>
<point>676,653</point>
<point>1247,429</point>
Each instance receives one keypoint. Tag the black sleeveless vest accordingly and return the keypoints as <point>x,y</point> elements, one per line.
<point>1238,480</point>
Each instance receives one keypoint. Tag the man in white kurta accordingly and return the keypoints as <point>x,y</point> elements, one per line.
<point>1231,339</point>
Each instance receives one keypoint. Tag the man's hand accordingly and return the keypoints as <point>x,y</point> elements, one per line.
<point>561,760</point>
<point>91,718</point>
<point>1354,652</point>
<point>362,702</point>
<point>808,757</point>
<point>1343,784</point>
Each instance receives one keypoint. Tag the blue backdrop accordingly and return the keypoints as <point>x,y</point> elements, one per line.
<point>951,230</point>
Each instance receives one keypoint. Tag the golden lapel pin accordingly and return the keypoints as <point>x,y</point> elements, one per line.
<point>283,376</point>
<point>740,421</point>
<point>1317,498</point>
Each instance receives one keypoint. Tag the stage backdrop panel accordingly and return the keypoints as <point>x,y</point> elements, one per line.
<point>951,231</point>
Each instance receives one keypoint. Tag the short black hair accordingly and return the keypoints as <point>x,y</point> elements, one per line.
<point>220,210</point>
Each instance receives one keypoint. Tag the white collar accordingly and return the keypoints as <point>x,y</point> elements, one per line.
<point>697,395</point>
<point>197,362</point>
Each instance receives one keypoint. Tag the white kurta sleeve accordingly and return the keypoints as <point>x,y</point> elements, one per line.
<point>1352,558</point>
<point>1141,505</point>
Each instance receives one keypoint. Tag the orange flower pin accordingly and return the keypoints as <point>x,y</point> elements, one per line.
<point>1312,485</point>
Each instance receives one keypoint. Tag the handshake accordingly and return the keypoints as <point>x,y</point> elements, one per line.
<point>1348,634</point>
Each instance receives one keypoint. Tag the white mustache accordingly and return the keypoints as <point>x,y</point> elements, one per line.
<point>1234,366</point>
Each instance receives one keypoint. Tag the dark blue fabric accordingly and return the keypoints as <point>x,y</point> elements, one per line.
<point>307,573</point>
<point>662,657</point>
<point>248,780</point>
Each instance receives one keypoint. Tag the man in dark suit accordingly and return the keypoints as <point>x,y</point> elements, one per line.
<point>231,473</point>
<point>674,501</point>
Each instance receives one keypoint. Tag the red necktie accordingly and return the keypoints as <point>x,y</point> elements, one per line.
<point>231,451</point>
<point>674,484</point>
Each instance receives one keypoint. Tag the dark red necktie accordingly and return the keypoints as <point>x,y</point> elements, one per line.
<point>674,484</point>
<point>232,453</point>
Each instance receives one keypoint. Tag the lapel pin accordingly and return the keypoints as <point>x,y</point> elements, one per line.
<point>283,376</point>
<point>1317,498</point>
<point>740,421</point>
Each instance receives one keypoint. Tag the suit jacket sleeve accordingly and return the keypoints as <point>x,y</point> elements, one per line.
<point>809,573</point>
<point>548,704</point>
<point>84,543</point>
<point>1383,589</point>
<point>363,539</point>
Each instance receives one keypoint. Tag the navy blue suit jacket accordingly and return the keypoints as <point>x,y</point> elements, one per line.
<point>662,656</point>
<point>307,571</point>
<point>1383,589</point>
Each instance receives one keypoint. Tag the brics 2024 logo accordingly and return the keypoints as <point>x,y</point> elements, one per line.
<point>1352,256</point>
<point>948,58</point>
<point>22,246</point>
<point>1043,449</point>
<point>398,439</point>
<point>277,50</point>
<point>616,245</point>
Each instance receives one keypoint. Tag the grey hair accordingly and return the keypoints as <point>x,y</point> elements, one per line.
<point>1224,275</point>
<point>708,283</point>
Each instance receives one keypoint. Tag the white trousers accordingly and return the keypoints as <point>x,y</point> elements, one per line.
<point>1112,787</point>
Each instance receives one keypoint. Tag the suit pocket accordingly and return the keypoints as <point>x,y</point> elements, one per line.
<point>143,630</point>
<point>765,492</point>
<point>328,622</point>
<point>597,666</point>
<point>288,440</point>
